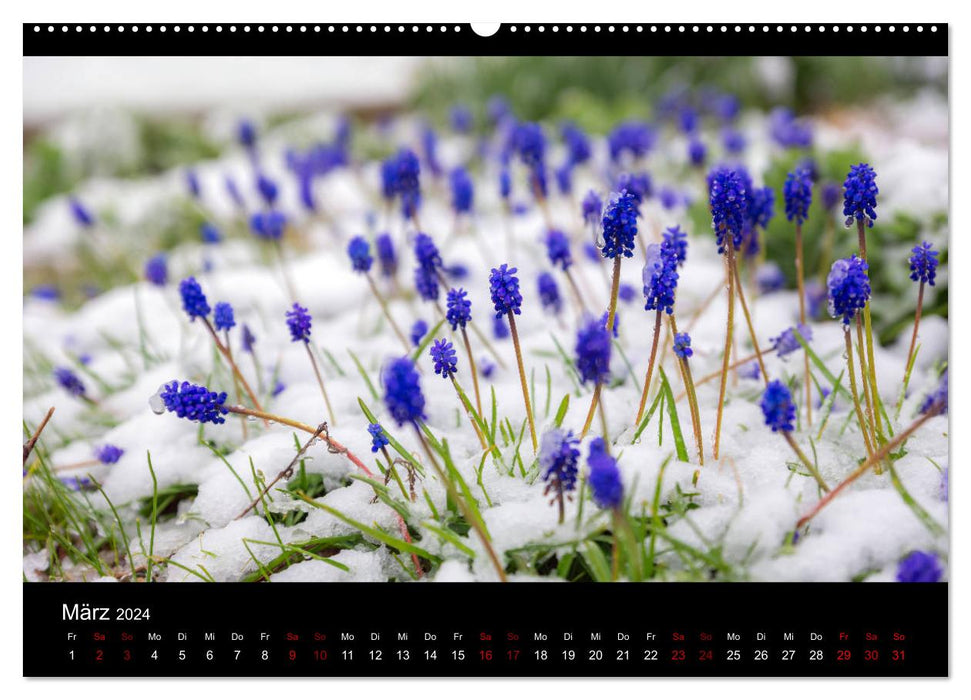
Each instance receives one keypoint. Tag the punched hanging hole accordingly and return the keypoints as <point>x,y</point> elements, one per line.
<point>485,29</point>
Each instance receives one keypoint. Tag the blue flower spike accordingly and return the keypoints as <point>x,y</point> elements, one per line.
<point>194,402</point>
<point>860,196</point>
<point>604,477</point>
<point>506,299</point>
<point>193,299</point>
<point>779,413</point>
<point>559,454</point>
<point>443,355</point>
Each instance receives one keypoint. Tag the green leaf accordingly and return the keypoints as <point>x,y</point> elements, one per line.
<point>364,375</point>
<point>376,533</point>
<point>561,411</point>
<point>673,415</point>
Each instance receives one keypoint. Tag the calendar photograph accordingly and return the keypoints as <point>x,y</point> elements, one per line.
<point>483,319</point>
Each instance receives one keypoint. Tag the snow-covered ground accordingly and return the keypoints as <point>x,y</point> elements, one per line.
<point>747,501</point>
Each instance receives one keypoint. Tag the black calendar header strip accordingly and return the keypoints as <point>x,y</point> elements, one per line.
<point>314,39</point>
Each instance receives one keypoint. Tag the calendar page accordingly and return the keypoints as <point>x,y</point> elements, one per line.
<point>453,350</point>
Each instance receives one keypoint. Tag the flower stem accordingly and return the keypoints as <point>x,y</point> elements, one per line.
<point>800,283</point>
<point>650,368</point>
<point>913,337</point>
<point>581,306</point>
<point>689,388</point>
<point>873,459</point>
<point>871,364</point>
<point>225,353</point>
<point>320,382</point>
<point>239,399</point>
<point>726,357</point>
<point>29,445</point>
<point>387,314</point>
<point>805,460</point>
<point>284,271</point>
<point>856,396</point>
<point>332,444</point>
<point>594,400</point>
<point>867,389</point>
<point>463,399</point>
<point>473,370</point>
<point>748,317</point>
<point>716,374</point>
<point>522,378</point>
<point>463,506</point>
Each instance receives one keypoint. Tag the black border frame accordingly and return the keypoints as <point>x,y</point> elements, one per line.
<point>377,39</point>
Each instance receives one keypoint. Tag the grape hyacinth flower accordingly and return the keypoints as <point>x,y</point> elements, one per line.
<point>728,207</point>
<point>849,288</point>
<point>299,323</point>
<point>591,208</point>
<point>458,314</point>
<point>402,391</point>
<point>500,329</point>
<point>223,317</point>
<point>507,300</point>
<point>786,342</point>
<point>210,234</point>
<point>194,402</point>
<point>360,254</point>
<point>798,193</point>
<point>558,252</point>
<point>919,567</point>
<point>682,346</point>
<point>593,349</point>
<point>157,270</point>
<point>627,292</point>
<point>108,454</point>
<point>193,299</point>
<point>461,119</point>
<point>697,152</point>
<point>558,456</point>
<point>935,403</point>
<point>70,382</point>
<point>387,256</point>
<point>458,308</point>
<point>733,140</point>
<point>780,412</point>
<point>923,269</point>
<point>407,185</point>
<point>860,197</point>
<point>462,191</point>
<point>558,249</point>
<point>660,278</point>
<point>444,357</point>
<point>192,184</point>
<point>268,225</point>
<point>635,138</point>
<point>418,330</point>
<point>378,438</point>
<point>267,190</point>
<point>604,477</point>
<point>769,278</point>
<point>549,293</point>
<point>577,144</point>
<point>80,213</point>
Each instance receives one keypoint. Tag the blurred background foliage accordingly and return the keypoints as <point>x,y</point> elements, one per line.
<point>596,91</point>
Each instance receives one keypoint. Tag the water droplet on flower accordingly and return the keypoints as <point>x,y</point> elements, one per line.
<point>156,403</point>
